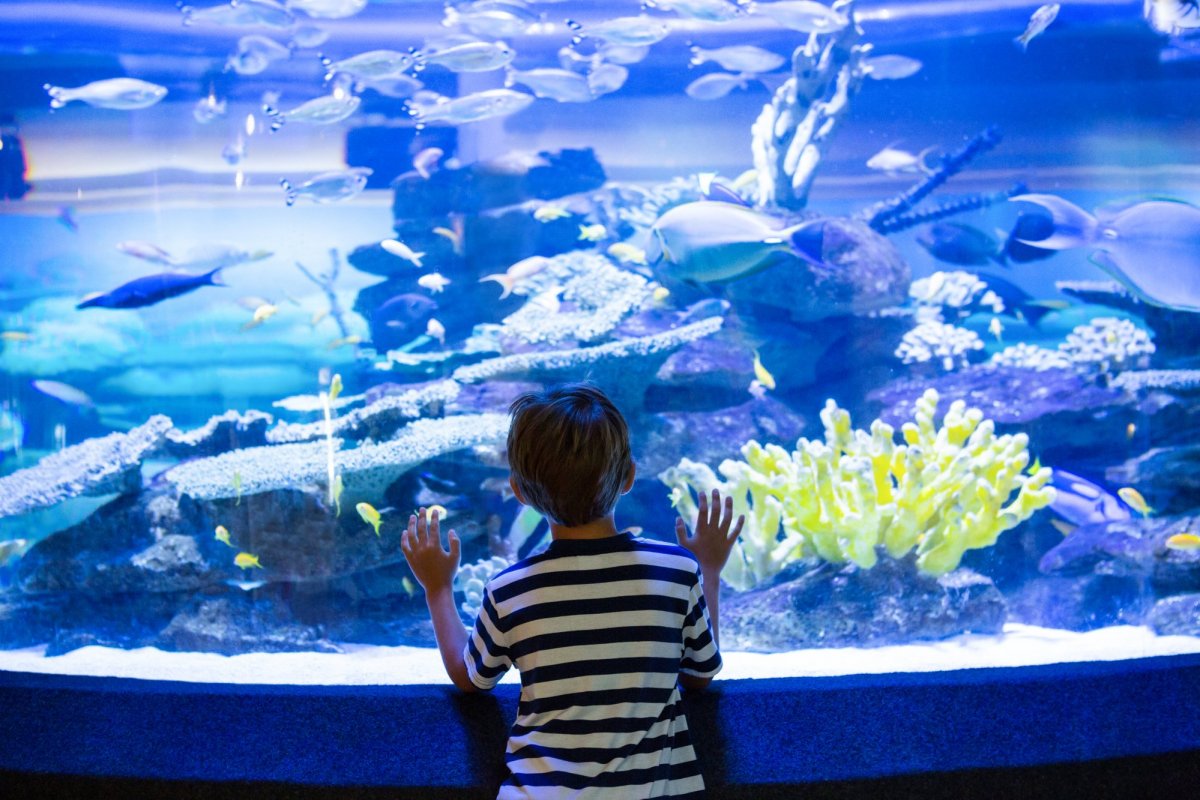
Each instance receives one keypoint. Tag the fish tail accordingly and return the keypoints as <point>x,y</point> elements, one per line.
<point>326,62</point>
<point>808,241</point>
<point>58,95</point>
<point>214,277</point>
<point>922,164</point>
<point>275,116</point>
<point>503,280</point>
<point>290,193</point>
<point>1022,41</point>
<point>189,14</point>
<point>1073,227</point>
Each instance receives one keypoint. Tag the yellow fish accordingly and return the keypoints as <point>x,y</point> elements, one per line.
<point>1130,430</point>
<point>1133,498</point>
<point>455,238</point>
<point>549,213</point>
<point>592,233</point>
<point>408,586</point>
<point>1063,527</point>
<point>369,515</point>
<point>261,315</point>
<point>661,293</point>
<point>16,336</point>
<point>760,372</point>
<point>996,328</point>
<point>627,253</point>
<point>335,387</point>
<point>237,487</point>
<point>441,511</point>
<point>222,535</point>
<point>247,560</point>
<point>336,493</point>
<point>1035,466</point>
<point>317,317</point>
<point>1187,542</point>
<point>342,341</point>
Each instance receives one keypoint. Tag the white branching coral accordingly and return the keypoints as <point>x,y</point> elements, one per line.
<point>1030,356</point>
<point>930,340</point>
<point>471,580</point>
<point>1108,344</point>
<point>961,291</point>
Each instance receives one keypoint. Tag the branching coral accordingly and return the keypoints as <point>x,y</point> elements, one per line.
<point>1108,344</point>
<point>943,491</point>
<point>956,290</point>
<point>1030,356</point>
<point>932,339</point>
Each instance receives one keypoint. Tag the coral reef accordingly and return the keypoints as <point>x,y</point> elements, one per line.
<point>791,131</point>
<point>228,431</point>
<point>1176,332</point>
<point>107,465</point>
<point>951,346</point>
<point>471,579</point>
<point>943,491</point>
<point>1029,356</point>
<point>954,291</point>
<point>377,420</point>
<point>1108,344</point>
<point>1182,381</point>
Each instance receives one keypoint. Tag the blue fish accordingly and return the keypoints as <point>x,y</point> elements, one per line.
<point>152,289</point>
<point>715,242</point>
<point>1019,303</point>
<point>965,245</point>
<point>1082,502</point>
<point>1030,226</point>
<point>1152,247</point>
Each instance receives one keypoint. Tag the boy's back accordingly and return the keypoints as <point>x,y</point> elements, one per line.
<point>600,630</point>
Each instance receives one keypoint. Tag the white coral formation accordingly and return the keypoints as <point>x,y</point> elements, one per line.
<point>930,340</point>
<point>580,296</point>
<point>956,289</point>
<point>386,412</point>
<point>1108,344</point>
<point>104,465</point>
<point>1028,356</point>
<point>1178,380</point>
<point>471,580</point>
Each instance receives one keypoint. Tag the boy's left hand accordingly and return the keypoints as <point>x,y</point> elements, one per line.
<point>433,567</point>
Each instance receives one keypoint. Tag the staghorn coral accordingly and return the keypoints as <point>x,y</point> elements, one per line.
<point>791,130</point>
<point>1108,344</point>
<point>943,491</point>
<point>106,465</point>
<point>1030,356</point>
<point>932,339</point>
<point>377,420</point>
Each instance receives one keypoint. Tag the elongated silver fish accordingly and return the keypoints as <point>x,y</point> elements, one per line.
<point>372,65</point>
<point>706,10</point>
<point>329,187</point>
<point>255,53</point>
<point>739,58</point>
<point>805,16</point>
<point>329,9</point>
<point>470,56</point>
<point>325,110</point>
<point>240,13</point>
<point>122,94</point>
<point>556,84</point>
<point>469,107</point>
<point>629,31</point>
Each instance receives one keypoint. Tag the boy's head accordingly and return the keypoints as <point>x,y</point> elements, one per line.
<point>568,450</point>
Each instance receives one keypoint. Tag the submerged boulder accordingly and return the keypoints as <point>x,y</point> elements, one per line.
<point>832,606</point>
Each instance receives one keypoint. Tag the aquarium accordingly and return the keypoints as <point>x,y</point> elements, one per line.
<point>916,283</point>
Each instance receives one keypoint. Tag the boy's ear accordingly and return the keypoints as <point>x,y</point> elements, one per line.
<point>516,491</point>
<point>632,474</point>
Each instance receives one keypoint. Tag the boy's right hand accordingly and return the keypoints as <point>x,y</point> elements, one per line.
<point>711,540</point>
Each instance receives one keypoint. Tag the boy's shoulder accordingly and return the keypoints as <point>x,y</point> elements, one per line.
<point>636,544</point>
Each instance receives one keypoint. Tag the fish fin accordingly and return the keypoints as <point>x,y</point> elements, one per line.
<point>290,194</point>
<point>1033,313</point>
<point>921,156</point>
<point>510,77</point>
<point>1073,227</point>
<point>89,300</point>
<point>501,279</point>
<point>808,241</point>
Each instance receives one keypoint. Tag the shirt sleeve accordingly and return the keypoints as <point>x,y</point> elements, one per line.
<point>700,655</point>
<point>486,653</point>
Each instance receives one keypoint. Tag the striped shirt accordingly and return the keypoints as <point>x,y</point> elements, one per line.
<point>600,630</point>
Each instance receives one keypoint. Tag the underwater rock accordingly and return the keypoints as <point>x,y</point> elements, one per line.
<point>107,465</point>
<point>1078,603</point>
<point>1176,616</point>
<point>490,398</point>
<point>831,606</point>
<point>241,623</point>
<point>1176,332</point>
<point>228,431</point>
<point>1170,477</point>
<point>713,436</point>
<point>379,419</point>
<point>1133,548</point>
<point>709,373</point>
<point>624,368</point>
<point>510,179</point>
<point>27,620</point>
<point>862,271</point>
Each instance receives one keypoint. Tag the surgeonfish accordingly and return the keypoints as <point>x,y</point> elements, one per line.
<point>63,392</point>
<point>426,107</point>
<point>705,242</point>
<point>1133,498</point>
<point>891,67</point>
<point>400,250</point>
<point>1040,20</point>
<point>329,9</point>
<point>511,278</point>
<point>1030,226</point>
<point>151,289</point>
<point>716,85</point>
<point>247,560</point>
<point>560,85</point>
<point>121,94</point>
<point>324,110</point>
<point>1132,243</point>
<point>328,187</point>
<point>470,56</point>
<point>1081,502</point>
<point>369,515</point>
<point>805,16</point>
<point>739,58</point>
<point>242,13</point>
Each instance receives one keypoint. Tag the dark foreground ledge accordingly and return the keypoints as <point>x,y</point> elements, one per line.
<point>1109,728</point>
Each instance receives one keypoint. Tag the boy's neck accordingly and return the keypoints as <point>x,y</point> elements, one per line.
<point>596,529</point>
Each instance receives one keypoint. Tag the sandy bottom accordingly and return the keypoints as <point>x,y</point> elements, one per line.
<point>1018,645</point>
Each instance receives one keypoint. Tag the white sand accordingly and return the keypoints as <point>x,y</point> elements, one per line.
<point>1019,645</point>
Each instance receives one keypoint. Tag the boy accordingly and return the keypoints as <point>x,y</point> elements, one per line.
<point>603,626</point>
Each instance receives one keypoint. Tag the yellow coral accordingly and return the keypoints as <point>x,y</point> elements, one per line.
<point>942,491</point>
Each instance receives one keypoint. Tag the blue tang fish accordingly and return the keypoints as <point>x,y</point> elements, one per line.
<point>1081,502</point>
<point>712,242</point>
<point>1151,247</point>
<point>152,289</point>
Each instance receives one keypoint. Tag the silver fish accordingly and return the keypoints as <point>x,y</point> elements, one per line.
<point>255,53</point>
<point>705,10</point>
<point>325,110</point>
<point>329,9</point>
<point>471,56</point>
<point>64,392</point>
<point>240,13</point>
<point>498,20</point>
<point>468,108</point>
<point>329,187</point>
<point>623,53</point>
<point>891,67</point>
<point>372,65</point>
<point>739,58</point>
<point>606,78</point>
<point>1040,20</point>
<point>556,84</point>
<point>630,31</point>
<point>714,242</point>
<point>208,108</point>
<point>803,15</point>
<point>306,36</point>
<point>122,94</point>
<point>715,85</point>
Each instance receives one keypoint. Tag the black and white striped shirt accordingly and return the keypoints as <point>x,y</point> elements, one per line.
<point>600,630</point>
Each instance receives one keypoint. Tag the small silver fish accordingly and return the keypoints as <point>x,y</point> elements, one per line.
<point>556,84</point>
<point>208,108</point>
<point>470,56</point>
<point>372,65</point>
<point>122,94</point>
<point>1040,20</point>
<point>623,53</point>
<point>716,85</point>
<point>240,13</point>
<point>325,110</point>
<point>803,15</point>
<point>606,78</point>
<point>308,36</point>
<point>630,31</point>
<point>426,160</point>
<point>329,9</point>
<point>891,67</point>
<point>704,10</point>
<point>329,187</point>
<point>255,53</point>
<point>492,20</point>
<point>739,58</point>
<point>64,392</point>
<point>894,161</point>
<point>468,108</point>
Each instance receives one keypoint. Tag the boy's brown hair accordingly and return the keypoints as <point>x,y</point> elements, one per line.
<point>568,450</point>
